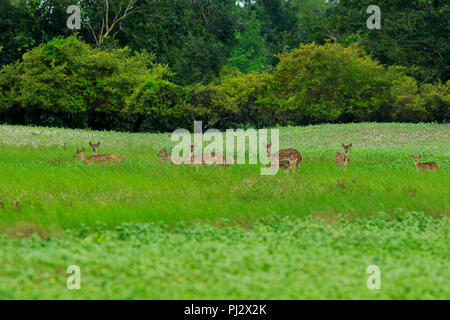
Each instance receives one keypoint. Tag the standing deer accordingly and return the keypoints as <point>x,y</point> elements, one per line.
<point>426,166</point>
<point>98,158</point>
<point>342,158</point>
<point>94,147</point>
<point>290,156</point>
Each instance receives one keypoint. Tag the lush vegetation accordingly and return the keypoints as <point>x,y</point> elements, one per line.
<point>68,83</point>
<point>144,229</point>
<point>282,258</point>
<point>198,37</point>
<point>147,229</point>
<point>158,65</point>
<point>381,177</point>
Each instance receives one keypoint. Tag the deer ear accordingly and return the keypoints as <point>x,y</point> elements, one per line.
<point>420,156</point>
<point>343,145</point>
<point>350,145</point>
<point>90,143</point>
<point>412,156</point>
<point>82,149</point>
<point>98,143</point>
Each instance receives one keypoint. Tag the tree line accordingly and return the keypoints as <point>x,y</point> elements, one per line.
<point>159,64</point>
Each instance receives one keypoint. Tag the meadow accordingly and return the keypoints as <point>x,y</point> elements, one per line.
<point>144,229</point>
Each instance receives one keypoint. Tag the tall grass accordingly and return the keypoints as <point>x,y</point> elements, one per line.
<point>55,191</point>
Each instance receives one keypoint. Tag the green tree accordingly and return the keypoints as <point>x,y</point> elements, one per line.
<point>249,52</point>
<point>161,101</point>
<point>436,99</point>
<point>332,83</point>
<point>25,24</point>
<point>408,105</point>
<point>413,33</point>
<point>69,77</point>
<point>194,37</point>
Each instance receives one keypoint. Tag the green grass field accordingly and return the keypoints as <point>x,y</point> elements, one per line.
<point>143,229</point>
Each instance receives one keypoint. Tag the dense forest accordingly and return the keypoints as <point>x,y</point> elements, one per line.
<point>156,65</point>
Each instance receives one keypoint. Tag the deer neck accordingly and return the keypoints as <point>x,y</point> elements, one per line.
<point>84,158</point>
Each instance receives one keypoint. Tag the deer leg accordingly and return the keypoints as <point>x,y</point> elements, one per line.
<point>292,165</point>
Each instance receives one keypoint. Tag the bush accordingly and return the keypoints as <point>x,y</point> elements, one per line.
<point>248,99</point>
<point>68,78</point>
<point>407,104</point>
<point>331,83</point>
<point>436,100</point>
<point>163,102</point>
<point>67,83</point>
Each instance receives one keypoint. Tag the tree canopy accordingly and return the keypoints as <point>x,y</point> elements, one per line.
<point>197,38</point>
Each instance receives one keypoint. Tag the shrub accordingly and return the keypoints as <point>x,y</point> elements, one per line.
<point>68,83</point>
<point>407,104</point>
<point>332,83</point>
<point>163,102</point>
<point>68,77</point>
<point>436,100</point>
<point>248,99</point>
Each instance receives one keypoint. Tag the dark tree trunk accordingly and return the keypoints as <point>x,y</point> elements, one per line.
<point>138,123</point>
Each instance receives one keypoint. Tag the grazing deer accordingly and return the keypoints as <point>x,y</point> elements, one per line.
<point>94,147</point>
<point>342,158</point>
<point>98,158</point>
<point>290,156</point>
<point>426,166</point>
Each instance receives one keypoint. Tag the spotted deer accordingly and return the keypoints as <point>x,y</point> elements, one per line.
<point>204,158</point>
<point>115,157</point>
<point>286,156</point>
<point>94,147</point>
<point>426,166</point>
<point>216,158</point>
<point>164,155</point>
<point>342,158</point>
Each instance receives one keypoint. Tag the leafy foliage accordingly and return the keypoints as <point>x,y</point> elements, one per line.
<point>279,258</point>
<point>332,83</point>
<point>249,53</point>
<point>412,34</point>
<point>67,76</point>
<point>160,100</point>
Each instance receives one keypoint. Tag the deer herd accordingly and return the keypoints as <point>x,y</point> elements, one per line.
<point>287,158</point>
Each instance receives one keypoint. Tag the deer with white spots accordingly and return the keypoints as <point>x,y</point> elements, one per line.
<point>342,158</point>
<point>426,166</point>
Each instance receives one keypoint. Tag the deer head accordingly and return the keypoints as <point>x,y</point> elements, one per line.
<point>79,153</point>
<point>346,147</point>
<point>416,159</point>
<point>94,147</point>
